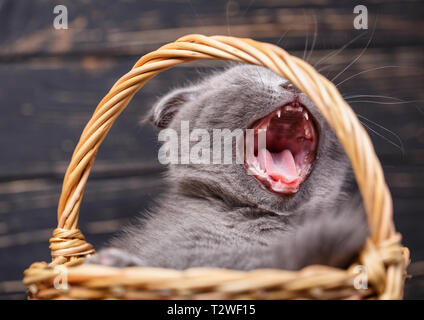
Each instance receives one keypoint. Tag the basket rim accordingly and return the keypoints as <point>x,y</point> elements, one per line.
<point>387,266</point>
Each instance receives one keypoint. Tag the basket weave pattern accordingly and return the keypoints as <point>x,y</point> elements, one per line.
<point>383,257</point>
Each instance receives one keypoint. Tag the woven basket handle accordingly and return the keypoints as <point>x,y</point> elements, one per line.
<point>68,244</point>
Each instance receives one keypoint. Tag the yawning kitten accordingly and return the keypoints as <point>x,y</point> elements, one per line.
<point>291,204</point>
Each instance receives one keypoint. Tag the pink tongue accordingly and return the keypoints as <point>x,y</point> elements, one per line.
<point>280,166</point>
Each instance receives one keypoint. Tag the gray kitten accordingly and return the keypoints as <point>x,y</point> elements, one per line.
<point>300,207</point>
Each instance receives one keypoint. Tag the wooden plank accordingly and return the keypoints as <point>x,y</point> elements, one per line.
<point>143,26</point>
<point>30,216</point>
<point>58,77</point>
<point>46,103</point>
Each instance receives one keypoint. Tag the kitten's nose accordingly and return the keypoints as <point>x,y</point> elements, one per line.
<point>289,87</point>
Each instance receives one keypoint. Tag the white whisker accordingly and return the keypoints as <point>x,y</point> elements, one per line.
<point>358,57</point>
<point>372,96</point>
<point>260,78</point>
<point>192,8</point>
<point>282,37</point>
<point>314,39</point>
<point>306,46</point>
<point>383,137</point>
<point>328,66</point>
<point>333,53</point>
<point>387,130</point>
<point>248,7</point>
<point>419,110</point>
<point>383,102</point>
<point>227,17</point>
<point>362,72</point>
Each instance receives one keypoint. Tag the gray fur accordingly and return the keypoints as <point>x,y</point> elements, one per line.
<point>220,216</point>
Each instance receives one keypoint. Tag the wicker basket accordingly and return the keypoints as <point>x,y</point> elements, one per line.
<point>383,258</point>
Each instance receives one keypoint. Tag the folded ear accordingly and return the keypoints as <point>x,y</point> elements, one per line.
<point>167,107</point>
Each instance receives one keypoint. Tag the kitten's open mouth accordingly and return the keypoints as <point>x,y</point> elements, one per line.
<point>291,143</point>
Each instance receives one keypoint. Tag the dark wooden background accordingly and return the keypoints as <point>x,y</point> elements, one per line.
<point>51,80</point>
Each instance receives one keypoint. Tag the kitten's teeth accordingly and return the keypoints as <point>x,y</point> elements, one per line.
<point>279,113</point>
<point>306,116</point>
<point>258,171</point>
<point>279,185</point>
<point>254,171</point>
<point>307,132</point>
<point>290,108</point>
